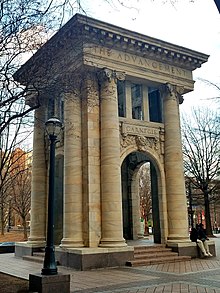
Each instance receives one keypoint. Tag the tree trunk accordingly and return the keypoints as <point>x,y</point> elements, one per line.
<point>146,228</point>
<point>2,221</point>
<point>207,213</point>
<point>24,224</point>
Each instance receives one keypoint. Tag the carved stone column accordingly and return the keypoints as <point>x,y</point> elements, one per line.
<point>175,185</point>
<point>111,198</point>
<point>73,213</point>
<point>39,179</point>
<point>91,160</point>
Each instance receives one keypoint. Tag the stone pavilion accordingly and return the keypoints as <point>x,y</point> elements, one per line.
<point>117,93</point>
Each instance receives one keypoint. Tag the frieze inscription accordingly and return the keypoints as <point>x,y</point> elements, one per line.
<point>139,61</point>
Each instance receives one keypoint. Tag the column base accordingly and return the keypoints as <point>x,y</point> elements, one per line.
<point>36,241</point>
<point>71,243</point>
<point>112,243</point>
<point>178,238</point>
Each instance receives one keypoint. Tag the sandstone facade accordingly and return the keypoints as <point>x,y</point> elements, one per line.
<point>117,93</point>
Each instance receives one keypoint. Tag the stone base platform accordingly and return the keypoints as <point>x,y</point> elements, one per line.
<point>83,258</point>
<point>190,248</point>
<point>94,258</point>
<point>47,284</point>
<point>23,248</point>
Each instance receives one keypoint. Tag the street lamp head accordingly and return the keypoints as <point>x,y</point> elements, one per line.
<point>53,126</point>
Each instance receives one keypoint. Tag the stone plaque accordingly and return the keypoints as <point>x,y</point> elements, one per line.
<point>139,130</point>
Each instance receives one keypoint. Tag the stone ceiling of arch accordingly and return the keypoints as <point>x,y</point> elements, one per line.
<point>137,66</point>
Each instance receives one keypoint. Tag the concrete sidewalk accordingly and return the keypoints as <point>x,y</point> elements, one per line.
<point>198,275</point>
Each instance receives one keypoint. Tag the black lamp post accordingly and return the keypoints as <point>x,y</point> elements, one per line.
<point>53,128</point>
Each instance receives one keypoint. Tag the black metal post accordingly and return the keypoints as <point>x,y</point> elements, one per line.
<point>50,267</point>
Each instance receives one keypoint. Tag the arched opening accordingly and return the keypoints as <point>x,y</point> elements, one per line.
<point>139,190</point>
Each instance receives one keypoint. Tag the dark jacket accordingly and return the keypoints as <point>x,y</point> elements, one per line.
<point>194,235</point>
<point>201,234</point>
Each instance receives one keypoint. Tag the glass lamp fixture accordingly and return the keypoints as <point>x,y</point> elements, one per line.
<point>53,126</point>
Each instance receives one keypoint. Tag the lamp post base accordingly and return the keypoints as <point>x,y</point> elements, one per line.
<point>50,266</point>
<point>49,271</point>
<point>53,283</point>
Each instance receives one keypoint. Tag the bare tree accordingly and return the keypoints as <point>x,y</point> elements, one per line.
<point>20,196</point>
<point>195,199</point>
<point>214,85</point>
<point>25,26</point>
<point>11,139</point>
<point>16,187</point>
<point>201,138</point>
<point>145,195</point>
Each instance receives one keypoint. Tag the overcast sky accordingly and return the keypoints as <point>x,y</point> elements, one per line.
<point>192,24</point>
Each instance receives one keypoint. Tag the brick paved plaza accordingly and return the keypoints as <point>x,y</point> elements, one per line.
<point>198,275</point>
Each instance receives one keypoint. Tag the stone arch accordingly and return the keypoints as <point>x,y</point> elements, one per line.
<point>158,189</point>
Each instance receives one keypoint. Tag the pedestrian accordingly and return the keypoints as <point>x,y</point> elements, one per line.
<point>198,235</point>
<point>202,240</point>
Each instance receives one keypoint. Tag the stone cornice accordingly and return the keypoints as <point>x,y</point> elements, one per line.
<point>109,35</point>
<point>88,30</point>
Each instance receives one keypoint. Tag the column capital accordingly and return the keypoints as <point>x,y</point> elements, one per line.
<point>109,75</point>
<point>119,75</point>
<point>173,92</point>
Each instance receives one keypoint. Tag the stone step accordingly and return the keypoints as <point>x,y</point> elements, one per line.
<point>155,255</point>
<point>148,255</point>
<point>34,258</point>
<point>150,247</point>
<point>157,260</point>
<point>151,250</point>
<point>40,254</point>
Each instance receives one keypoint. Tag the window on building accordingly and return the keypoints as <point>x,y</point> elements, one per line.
<point>121,98</point>
<point>136,98</point>
<point>155,105</point>
<point>139,102</point>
